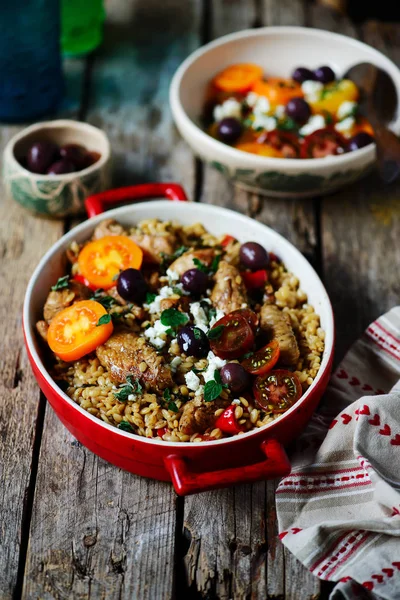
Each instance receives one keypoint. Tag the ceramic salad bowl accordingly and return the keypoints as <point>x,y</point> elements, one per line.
<point>258,454</point>
<point>278,50</point>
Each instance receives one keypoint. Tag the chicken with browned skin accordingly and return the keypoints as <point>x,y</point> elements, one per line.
<point>57,300</point>
<point>42,328</point>
<point>198,415</point>
<point>155,246</point>
<point>278,326</point>
<point>182,303</point>
<point>185,262</point>
<point>125,353</point>
<point>229,292</point>
<point>108,227</point>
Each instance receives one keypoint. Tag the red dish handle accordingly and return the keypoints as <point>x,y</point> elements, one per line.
<point>187,481</point>
<point>98,203</point>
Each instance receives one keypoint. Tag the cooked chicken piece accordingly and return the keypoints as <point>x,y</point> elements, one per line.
<point>232,253</point>
<point>42,329</point>
<point>57,300</point>
<point>108,227</point>
<point>185,262</point>
<point>229,292</point>
<point>181,303</point>
<point>154,245</point>
<point>138,311</point>
<point>197,415</point>
<point>277,324</point>
<point>123,354</point>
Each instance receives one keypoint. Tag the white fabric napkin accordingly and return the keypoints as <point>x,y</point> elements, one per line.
<point>339,509</point>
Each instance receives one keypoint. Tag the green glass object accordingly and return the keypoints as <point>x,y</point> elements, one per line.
<point>81,26</point>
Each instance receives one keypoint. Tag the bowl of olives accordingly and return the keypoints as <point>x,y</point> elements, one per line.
<point>51,167</point>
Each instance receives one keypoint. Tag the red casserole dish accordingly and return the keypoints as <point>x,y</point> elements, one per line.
<point>256,455</point>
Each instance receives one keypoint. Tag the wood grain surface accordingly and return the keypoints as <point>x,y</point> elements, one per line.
<point>73,526</point>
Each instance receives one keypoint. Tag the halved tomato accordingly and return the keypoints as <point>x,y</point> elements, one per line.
<point>227,421</point>
<point>324,142</point>
<point>101,261</point>
<point>249,315</point>
<point>277,391</point>
<point>263,360</point>
<point>278,90</point>
<point>236,338</point>
<point>286,143</point>
<point>238,78</point>
<point>75,331</point>
<point>254,280</point>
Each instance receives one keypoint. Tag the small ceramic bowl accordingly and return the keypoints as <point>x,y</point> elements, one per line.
<point>279,50</point>
<point>56,195</point>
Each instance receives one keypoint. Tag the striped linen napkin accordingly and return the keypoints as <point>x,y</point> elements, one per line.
<point>339,509</point>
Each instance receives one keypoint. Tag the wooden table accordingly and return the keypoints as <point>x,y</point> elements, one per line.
<point>73,526</point>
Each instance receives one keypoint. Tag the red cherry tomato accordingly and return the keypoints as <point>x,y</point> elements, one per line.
<point>227,421</point>
<point>254,280</point>
<point>81,279</point>
<point>277,391</point>
<point>287,143</point>
<point>227,240</point>
<point>236,339</point>
<point>324,142</point>
<point>249,315</point>
<point>162,431</point>
<point>263,360</point>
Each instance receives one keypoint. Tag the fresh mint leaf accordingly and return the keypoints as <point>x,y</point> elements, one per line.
<point>167,394</point>
<point>172,406</point>
<point>215,263</point>
<point>215,332</point>
<point>172,317</point>
<point>137,388</point>
<point>197,333</point>
<point>177,290</point>
<point>131,387</point>
<point>125,426</point>
<point>212,390</point>
<point>104,320</point>
<point>106,301</point>
<point>287,124</point>
<point>200,266</point>
<point>150,297</point>
<point>62,283</point>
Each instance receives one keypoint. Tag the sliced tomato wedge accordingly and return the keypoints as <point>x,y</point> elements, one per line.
<point>101,261</point>
<point>227,421</point>
<point>236,339</point>
<point>277,391</point>
<point>249,315</point>
<point>324,142</point>
<point>254,280</point>
<point>286,143</point>
<point>238,78</point>
<point>264,360</point>
<point>75,331</point>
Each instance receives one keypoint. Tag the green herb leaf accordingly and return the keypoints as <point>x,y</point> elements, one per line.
<point>328,117</point>
<point>106,301</point>
<point>167,394</point>
<point>181,250</point>
<point>287,124</point>
<point>131,387</point>
<point>215,332</point>
<point>172,317</point>
<point>209,309</point>
<point>212,390</point>
<point>116,276</point>
<point>200,266</point>
<point>62,283</point>
<point>125,426</point>
<point>172,406</point>
<point>199,370</point>
<point>247,355</point>
<point>197,333</point>
<point>137,388</point>
<point>215,263</point>
<point>217,376</point>
<point>167,259</point>
<point>177,290</point>
<point>150,297</point>
<point>104,320</point>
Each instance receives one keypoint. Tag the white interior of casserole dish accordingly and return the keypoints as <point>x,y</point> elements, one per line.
<point>216,220</point>
<point>278,50</point>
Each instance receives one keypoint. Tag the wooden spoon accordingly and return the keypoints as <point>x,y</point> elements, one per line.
<point>379,104</point>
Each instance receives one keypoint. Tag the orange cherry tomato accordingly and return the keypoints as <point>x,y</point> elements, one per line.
<point>263,360</point>
<point>278,90</point>
<point>238,78</point>
<point>74,331</point>
<point>100,261</point>
<point>362,125</point>
<point>260,149</point>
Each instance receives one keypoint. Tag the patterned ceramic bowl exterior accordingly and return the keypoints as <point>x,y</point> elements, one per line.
<point>56,195</point>
<point>278,50</point>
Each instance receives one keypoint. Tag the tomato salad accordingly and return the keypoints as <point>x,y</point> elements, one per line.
<point>312,114</point>
<point>167,331</point>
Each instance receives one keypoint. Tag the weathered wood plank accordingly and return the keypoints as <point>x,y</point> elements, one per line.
<point>98,532</point>
<point>23,240</point>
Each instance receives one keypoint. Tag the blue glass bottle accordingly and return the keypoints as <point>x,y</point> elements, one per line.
<point>31,80</point>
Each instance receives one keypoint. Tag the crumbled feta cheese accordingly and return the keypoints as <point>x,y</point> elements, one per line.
<point>175,362</point>
<point>219,314</point>
<point>199,391</point>
<point>314,123</point>
<point>262,106</point>
<point>236,401</point>
<point>280,111</point>
<point>199,316</point>
<point>251,99</point>
<point>172,275</point>
<point>192,381</point>
<point>229,108</point>
<point>312,90</point>
<point>346,109</point>
<point>132,397</point>
<point>153,334</point>
<point>345,125</point>
<point>214,364</point>
<point>264,122</point>
<point>164,292</point>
